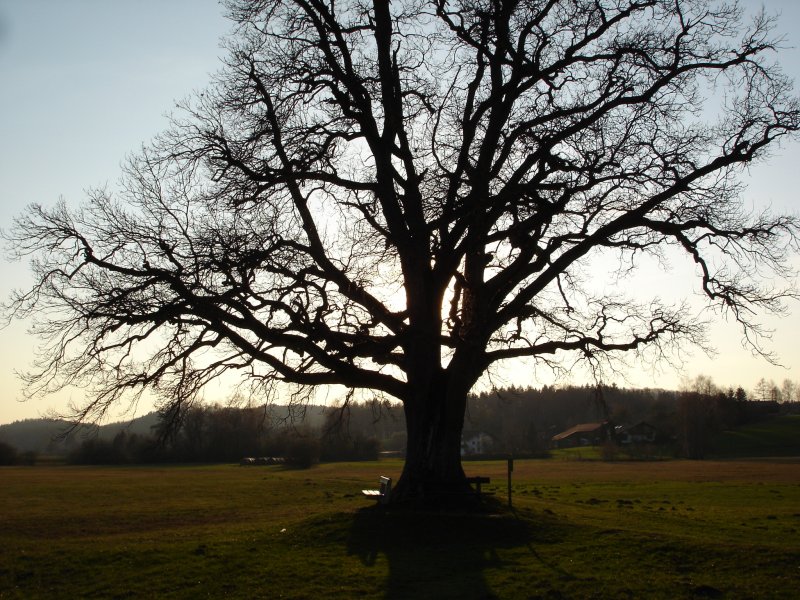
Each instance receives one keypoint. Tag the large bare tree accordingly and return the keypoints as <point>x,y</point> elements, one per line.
<point>395,196</point>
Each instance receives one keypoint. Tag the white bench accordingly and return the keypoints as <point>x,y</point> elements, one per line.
<point>381,495</point>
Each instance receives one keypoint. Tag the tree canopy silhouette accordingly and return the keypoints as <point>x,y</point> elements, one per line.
<point>394,196</point>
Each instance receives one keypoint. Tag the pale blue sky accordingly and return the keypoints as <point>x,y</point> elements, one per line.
<point>85,82</point>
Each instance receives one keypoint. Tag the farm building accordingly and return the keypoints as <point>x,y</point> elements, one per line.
<point>475,442</point>
<point>641,433</point>
<point>585,434</point>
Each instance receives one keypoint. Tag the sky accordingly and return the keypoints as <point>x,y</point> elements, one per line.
<point>83,83</point>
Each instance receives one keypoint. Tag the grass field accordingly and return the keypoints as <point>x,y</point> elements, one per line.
<point>670,529</point>
<point>779,436</point>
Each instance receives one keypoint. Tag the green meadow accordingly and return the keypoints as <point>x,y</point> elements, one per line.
<point>578,529</point>
<point>771,437</point>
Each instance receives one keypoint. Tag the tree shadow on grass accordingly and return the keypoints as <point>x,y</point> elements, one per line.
<point>437,555</point>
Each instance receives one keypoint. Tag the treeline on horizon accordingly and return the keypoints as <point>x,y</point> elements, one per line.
<point>519,421</point>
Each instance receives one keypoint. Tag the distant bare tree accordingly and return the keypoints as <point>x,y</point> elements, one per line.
<point>395,197</point>
<point>790,391</point>
<point>698,408</point>
<point>767,391</point>
<point>695,423</point>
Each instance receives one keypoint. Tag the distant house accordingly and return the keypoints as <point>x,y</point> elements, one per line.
<point>476,442</point>
<point>585,434</point>
<point>641,433</point>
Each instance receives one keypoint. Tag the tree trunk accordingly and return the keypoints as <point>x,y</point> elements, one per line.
<point>432,475</point>
<point>436,402</point>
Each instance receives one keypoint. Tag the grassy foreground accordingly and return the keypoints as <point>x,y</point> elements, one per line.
<point>579,530</point>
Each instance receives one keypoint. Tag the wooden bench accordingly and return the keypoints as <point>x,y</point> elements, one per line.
<point>382,494</point>
<point>478,482</point>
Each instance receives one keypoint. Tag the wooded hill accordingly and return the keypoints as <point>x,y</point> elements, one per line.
<point>515,420</point>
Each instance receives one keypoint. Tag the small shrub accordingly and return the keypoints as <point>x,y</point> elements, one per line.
<point>28,458</point>
<point>302,452</point>
<point>341,447</point>
<point>8,454</point>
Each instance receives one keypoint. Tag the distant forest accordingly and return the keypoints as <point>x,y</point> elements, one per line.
<point>519,421</point>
